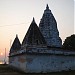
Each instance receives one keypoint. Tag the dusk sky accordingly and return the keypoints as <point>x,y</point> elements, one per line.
<point>16,16</point>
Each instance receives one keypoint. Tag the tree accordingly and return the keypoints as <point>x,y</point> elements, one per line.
<point>69,42</point>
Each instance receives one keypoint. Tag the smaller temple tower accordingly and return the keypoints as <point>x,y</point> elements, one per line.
<point>33,36</point>
<point>16,45</point>
<point>48,27</point>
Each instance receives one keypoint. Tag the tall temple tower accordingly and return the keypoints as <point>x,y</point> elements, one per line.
<point>48,27</point>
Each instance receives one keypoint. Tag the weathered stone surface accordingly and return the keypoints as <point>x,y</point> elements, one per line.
<point>48,27</point>
<point>32,63</point>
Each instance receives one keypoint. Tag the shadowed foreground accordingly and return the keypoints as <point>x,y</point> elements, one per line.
<point>6,70</point>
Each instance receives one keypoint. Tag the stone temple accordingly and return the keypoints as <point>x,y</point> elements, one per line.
<point>41,49</point>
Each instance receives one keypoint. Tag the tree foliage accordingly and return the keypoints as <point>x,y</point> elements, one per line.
<point>69,42</point>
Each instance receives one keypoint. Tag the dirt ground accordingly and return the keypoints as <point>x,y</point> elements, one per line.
<point>6,70</point>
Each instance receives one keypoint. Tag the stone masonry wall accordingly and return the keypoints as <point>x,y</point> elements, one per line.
<point>44,63</point>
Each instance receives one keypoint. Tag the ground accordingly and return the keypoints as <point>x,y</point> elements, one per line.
<point>6,70</point>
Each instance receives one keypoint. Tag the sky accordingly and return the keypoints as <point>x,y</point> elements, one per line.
<point>16,16</point>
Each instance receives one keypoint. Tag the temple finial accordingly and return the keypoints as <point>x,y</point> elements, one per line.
<point>16,35</point>
<point>33,21</point>
<point>47,7</point>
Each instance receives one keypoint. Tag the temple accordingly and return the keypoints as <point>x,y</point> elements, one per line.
<point>41,49</point>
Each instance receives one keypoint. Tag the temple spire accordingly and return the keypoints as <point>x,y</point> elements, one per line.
<point>33,21</point>
<point>16,44</point>
<point>47,7</point>
<point>16,35</point>
<point>47,10</point>
<point>33,35</point>
<point>48,28</point>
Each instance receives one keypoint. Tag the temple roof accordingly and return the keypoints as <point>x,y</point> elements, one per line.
<point>16,44</point>
<point>48,28</point>
<point>33,35</point>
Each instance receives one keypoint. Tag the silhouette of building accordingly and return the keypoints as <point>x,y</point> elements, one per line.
<point>41,50</point>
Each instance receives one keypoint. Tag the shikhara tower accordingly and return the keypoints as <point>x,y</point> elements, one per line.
<point>48,28</point>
